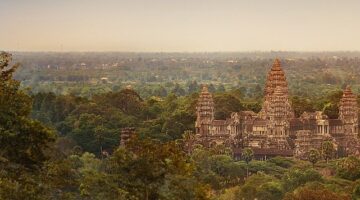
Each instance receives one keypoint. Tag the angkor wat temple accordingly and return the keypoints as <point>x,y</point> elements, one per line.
<point>275,130</point>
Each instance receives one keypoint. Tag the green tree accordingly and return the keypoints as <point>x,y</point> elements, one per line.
<point>147,167</point>
<point>260,186</point>
<point>23,141</point>
<point>314,156</point>
<point>331,110</point>
<point>327,150</point>
<point>160,91</point>
<point>356,191</point>
<point>295,178</point>
<point>178,90</point>
<point>188,141</point>
<point>225,104</point>
<point>127,100</point>
<point>270,191</point>
<point>61,177</point>
<point>329,104</point>
<point>247,155</point>
<point>221,88</point>
<point>318,193</point>
<point>177,123</point>
<point>349,168</point>
<point>211,88</point>
<point>193,86</point>
<point>300,105</point>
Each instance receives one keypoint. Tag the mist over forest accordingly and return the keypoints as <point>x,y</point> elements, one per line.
<point>65,73</point>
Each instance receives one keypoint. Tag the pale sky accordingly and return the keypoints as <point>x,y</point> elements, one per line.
<point>179,25</point>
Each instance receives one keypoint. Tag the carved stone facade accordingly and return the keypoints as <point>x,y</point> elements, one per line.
<point>275,130</point>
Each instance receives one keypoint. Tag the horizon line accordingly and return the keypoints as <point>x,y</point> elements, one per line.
<point>186,52</point>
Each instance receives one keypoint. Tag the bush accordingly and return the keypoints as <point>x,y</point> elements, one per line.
<point>282,161</point>
<point>356,192</point>
<point>349,168</point>
<point>262,187</point>
<point>296,178</point>
<point>318,193</point>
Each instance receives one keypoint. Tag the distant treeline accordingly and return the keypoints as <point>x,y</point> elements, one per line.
<point>309,74</point>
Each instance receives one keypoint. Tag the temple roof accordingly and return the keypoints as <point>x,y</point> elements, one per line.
<point>205,96</point>
<point>277,64</point>
<point>348,108</point>
<point>277,103</point>
<point>204,89</point>
<point>204,107</point>
<point>275,78</point>
<point>348,95</point>
<point>347,91</point>
<point>219,122</point>
<point>259,122</point>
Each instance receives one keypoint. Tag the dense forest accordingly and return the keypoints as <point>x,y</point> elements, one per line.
<point>61,116</point>
<point>159,74</point>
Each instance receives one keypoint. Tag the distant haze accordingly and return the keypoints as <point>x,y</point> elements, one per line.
<point>179,25</point>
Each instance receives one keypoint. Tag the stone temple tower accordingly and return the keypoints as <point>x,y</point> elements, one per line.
<point>204,112</point>
<point>348,112</point>
<point>279,106</point>
<point>279,114</point>
<point>276,80</point>
<point>276,109</point>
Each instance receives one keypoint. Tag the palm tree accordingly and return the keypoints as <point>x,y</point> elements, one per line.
<point>247,155</point>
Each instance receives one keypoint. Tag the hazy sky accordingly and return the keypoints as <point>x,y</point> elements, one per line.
<point>179,25</point>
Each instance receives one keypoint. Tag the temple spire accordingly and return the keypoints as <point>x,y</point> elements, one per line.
<point>276,77</point>
<point>277,64</point>
<point>276,102</point>
<point>348,108</point>
<point>204,89</point>
<point>348,92</point>
<point>204,111</point>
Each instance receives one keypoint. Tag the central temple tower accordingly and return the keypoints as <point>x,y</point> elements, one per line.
<point>275,78</point>
<point>276,102</point>
<point>277,110</point>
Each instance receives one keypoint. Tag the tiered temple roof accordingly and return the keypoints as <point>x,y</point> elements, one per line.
<point>204,108</point>
<point>276,104</point>
<point>275,78</point>
<point>348,110</point>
